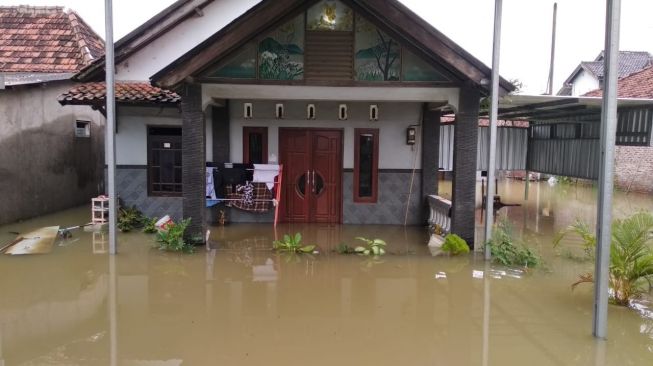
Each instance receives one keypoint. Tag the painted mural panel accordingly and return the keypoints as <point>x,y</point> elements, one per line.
<point>281,53</point>
<point>240,66</point>
<point>416,69</point>
<point>330,15</point>
<point>378,56</point>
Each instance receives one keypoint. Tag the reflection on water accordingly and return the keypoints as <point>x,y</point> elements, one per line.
<point>239,303</point>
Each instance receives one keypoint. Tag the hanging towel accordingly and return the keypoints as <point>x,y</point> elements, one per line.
<point>265,173</point>
<point>210,187</point>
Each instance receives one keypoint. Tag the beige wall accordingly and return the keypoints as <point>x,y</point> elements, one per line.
<point>394,119</point>
<point>43,166</point>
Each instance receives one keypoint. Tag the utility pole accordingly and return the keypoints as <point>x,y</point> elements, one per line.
<point>549,90</point>
<point>494,110</point>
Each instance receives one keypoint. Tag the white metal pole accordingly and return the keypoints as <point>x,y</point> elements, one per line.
<point>111,124</point>
<point>494,109</point>
<point>113,312</point>
<point>606,172</point>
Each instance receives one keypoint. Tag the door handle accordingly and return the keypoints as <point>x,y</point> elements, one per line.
<point>308,178</point>
<point>314,182</point>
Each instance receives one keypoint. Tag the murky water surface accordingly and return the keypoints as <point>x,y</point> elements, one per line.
<point>242,304</point>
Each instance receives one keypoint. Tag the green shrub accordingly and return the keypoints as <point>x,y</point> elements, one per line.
<point>172,239</point>
<point>129,218</point>
<point>455,245</point>
<point>149,225</point>
<point>292,244</point>
<point>374,247</point>
<point>507,251</point>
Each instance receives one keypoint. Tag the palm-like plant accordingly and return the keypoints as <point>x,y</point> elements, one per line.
<point>631,256</point>
<point>581,229</point>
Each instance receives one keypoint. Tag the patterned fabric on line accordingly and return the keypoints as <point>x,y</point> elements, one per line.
<point>261,198</point>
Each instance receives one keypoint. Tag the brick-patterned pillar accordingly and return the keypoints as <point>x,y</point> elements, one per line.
<point>193,160</point>
<point>464,163</point>
<point>430,154</point>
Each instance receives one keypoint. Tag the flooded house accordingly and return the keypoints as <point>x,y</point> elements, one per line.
<point>345,95</point>
<point>51,158</point>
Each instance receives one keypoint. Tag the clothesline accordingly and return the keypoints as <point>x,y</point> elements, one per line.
<point>269,175</point>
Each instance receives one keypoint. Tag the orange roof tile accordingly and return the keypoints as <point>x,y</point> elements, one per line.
<point>45,40</point>
<point>126,92</point>
<point>636,85</point>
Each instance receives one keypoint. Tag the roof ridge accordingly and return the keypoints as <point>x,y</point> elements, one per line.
<point>34,9</point>
<point>636,72</point>
<point>77,23</point>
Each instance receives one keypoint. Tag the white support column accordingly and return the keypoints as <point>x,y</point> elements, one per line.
<point>606,173</point>
<point>111,124</point>
<point>492,146</point>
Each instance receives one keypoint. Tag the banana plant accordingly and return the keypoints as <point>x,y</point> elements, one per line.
<point>292,244</point>
<point>373,247</point>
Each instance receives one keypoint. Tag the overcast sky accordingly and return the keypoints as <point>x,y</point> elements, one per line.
<point>526,37</point>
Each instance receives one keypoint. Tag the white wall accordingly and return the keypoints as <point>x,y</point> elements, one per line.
<point>394,119</point>
<point>584,83</point>
<point>172,45</point>
<point>131,139</point>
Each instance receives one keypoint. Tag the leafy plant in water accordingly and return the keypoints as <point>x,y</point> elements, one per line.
<point>631,257</point>
<point>506,251</point>
<point>583,231</point>
<point>129,218</point>
<point>372,247</point>
<point>455,245</point>
<point>149,225</point>
<point>172,240</point>
<point>292,244</point>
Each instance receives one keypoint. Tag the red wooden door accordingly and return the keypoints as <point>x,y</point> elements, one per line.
<point>312,188</point>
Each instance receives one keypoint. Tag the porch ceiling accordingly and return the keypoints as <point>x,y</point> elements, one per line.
<point>443,96</point>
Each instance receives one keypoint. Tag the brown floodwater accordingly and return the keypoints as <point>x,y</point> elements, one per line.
<point>242,304</point>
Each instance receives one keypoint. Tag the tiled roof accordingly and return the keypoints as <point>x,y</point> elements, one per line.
<point>126,92</point>
<point>45,39</point>
<point>629,62</point>
<point>636,85</point>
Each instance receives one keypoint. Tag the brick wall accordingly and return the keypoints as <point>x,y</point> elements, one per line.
<point>633,168</point>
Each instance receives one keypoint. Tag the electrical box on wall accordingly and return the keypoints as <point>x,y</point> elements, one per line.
<point>248,111</point>
<point>411,135</point>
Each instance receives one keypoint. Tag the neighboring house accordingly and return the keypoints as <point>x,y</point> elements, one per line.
<point>588,75</point>
<point>347,95</point>
<point>51,158</point>
<point>633,164</point>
